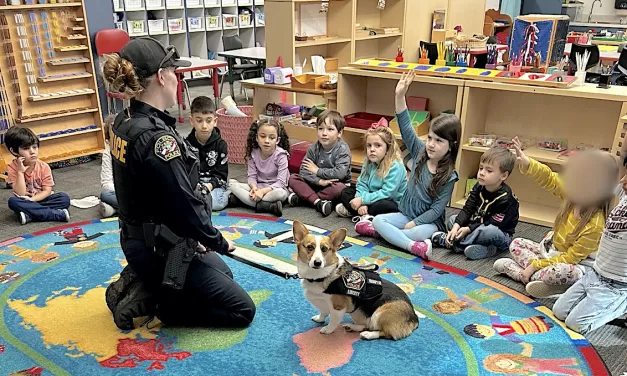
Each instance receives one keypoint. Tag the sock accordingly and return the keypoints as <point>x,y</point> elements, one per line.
<point>316,202</point>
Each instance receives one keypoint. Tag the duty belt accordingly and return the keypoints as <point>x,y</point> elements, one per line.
<point>149,232</point>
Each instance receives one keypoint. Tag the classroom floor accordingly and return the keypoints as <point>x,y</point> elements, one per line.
<point>84,180</point>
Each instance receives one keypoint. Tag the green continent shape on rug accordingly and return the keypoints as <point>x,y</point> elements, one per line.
<point>321,352</point>
<point>198,340</point>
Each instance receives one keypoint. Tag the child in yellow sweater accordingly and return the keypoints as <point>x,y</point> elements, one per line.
<point>586,189</point>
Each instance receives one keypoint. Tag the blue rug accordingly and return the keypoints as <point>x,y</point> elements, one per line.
<point>54,320</point>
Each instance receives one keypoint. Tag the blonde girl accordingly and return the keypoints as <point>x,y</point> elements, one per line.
<point>381,184</point>
<point>561,259</point>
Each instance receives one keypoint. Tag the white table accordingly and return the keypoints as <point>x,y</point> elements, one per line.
<point>198,65</point>
<point>253,53</point>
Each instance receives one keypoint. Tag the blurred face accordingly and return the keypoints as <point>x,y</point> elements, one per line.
<point>589,178</point>
<point>623,182</point>
<point>437,147</point>
<point>490,175</point>
<point>203,124</point>
<point>166,78</point>
<point>376,148</point>
<point>267,138</point>
<point>328,134</point>
<point>29,154</point>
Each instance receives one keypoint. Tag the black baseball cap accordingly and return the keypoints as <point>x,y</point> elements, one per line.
<point>148,55</point>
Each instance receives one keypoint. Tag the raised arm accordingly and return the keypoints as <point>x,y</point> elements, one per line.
<point>411,140</point>
<point>538,172</point>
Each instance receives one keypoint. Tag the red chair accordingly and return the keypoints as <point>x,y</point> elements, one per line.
<point>110,41</point>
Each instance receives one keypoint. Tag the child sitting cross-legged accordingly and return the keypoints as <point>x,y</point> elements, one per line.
<point>325,171</point>
<point>32,181</point>
<point>381,184</point>
<point>212,151</point>
<point>566,253</point>
<point>430,185</point>
<point>489,218</point>
<point>266,152</point>
<point>108,198</point>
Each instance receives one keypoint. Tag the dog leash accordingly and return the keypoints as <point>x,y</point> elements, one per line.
<point>285,275</point>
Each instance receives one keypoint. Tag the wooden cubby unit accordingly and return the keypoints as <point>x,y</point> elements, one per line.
<point>71,121</point>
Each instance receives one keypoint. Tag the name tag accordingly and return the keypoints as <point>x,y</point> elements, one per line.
<point>118,148</point>
<point>374,282</point>
<point>352,292</point>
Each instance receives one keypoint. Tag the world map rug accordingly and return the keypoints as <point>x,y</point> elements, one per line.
<point>54,320</point>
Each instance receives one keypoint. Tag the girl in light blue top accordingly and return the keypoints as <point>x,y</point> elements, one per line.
<point>382,181</point>
<point>431,182</point>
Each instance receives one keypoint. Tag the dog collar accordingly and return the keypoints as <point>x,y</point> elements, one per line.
<point>315,280</point>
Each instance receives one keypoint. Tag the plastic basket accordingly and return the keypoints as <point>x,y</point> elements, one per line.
<point>463,41</point>
<point>153,4</point>
<point>194,3</point>
<point>194,23</point>
<point>209,3</point>
<point>133,4</point>
<point>213,22</point>
<point>175,24</point>
<point>174,3</point>
<point>229,20</point>
<point>155,26</point>
<point>234,130</point>
<point>136,27</point>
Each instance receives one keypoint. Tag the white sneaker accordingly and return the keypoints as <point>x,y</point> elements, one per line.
<point>106,210</point>
<point>24,218</point>
<point>67,215</point>
<point>341,210</point>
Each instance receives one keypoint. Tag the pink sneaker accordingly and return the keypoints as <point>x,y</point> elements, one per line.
<point>422,249</point>
<point>366,228</point>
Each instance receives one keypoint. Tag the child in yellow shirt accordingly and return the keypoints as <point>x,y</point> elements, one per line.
<point>586,189</point>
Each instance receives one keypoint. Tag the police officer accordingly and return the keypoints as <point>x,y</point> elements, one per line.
<point>165,225</point>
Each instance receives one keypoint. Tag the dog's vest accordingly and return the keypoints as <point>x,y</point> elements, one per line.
<point>361,284</point>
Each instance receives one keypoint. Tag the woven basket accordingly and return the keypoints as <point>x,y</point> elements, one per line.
<point>462,41</point>
<point>234,130</point>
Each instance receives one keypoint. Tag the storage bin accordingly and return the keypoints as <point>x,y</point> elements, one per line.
<point>154,4</point>
<point>173,3</point>
<point>244,2</point>
<point>228,2</point>
<point>210,3</point>
<point>175,24</point>
<point>194,23</point>
<point>119,25</point>
<point>234,130</point>
<point>117,4</point>
<point>229,20</point>
<point>244,19</point>
<point>136,27</point>
<point>213,22</point>
<point>297,154</point>
<point>133,4</point>
<point>156,26</point>
<point>364,120</point>
<point>194,3</point>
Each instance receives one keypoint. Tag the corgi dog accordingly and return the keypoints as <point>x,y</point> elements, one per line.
<point>378,308</point>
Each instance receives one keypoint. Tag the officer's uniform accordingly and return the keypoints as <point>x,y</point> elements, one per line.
<point>165,223</point>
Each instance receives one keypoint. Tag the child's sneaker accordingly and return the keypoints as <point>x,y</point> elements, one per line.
<point>439,239</point>
<point>65,215</point>
<point>293,199</point>
<point>234,201</point>
<point>539,289</point>
<point>478,252</point>
<point>106,210</point>
<point>364,226</point>
<point>424,250</point>
<point>509,267</point>
<point>325,207</point>
<point>341,210</point>
<point>24,218</point>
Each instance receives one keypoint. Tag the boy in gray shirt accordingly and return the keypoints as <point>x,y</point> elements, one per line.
<point>325,171</point>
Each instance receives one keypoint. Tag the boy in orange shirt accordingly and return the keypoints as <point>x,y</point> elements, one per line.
<point>32,181</point>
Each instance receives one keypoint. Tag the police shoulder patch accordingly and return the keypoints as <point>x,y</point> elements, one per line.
<point>167,148</point>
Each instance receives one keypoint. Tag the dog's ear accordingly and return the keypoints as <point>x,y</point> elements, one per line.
<point>337,238</point>
<point>300,231</point>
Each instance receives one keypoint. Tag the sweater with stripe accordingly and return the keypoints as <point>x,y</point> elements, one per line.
<point>611,261</point>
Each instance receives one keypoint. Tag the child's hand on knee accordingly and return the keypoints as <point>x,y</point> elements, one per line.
<point>452,234</point>
<point>410,225</point>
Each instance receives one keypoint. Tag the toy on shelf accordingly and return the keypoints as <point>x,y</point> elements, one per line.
<point>482,139</point>
<point>508,143</point>
<point>553,144</point>
<point>441,60</point>
<point>463,55</point>
<point>492,58</point>
<point>399,54</point>
<point>543,34</point>
<point>451,57</point>
<point>424,56</point>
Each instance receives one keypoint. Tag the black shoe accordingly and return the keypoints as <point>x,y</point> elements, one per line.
<point>439,239</point>
<point>293,199</point>
<point>325,207</point>
<point>234,201</point>
<point>118,289</point>
<point>138,302</point>
<point>274,208</point>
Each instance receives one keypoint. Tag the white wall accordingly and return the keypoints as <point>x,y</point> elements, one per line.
<point>606,10</point>
<point>492,4</point>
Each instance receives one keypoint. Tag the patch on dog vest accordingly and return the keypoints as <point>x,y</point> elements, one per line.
<point>358,283</point>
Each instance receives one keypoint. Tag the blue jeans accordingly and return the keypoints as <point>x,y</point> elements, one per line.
<point>391,227</point>
<point>109,197</point>
<point>219,199</point>
<point>483,235</point>
<point>48,209</point>
<point>591,302</point>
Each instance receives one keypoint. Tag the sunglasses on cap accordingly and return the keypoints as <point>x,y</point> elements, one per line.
<point>171,55</point>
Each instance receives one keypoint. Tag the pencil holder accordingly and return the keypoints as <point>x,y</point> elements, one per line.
<point>462,64</point>
<point>450,63</point>
<point>440,62</point>
<point>515,68</point>
<point>399,59</point>
<point>423,61</point>
<point>580,78</point>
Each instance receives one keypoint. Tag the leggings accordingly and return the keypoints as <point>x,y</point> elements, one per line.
<point>391,227</point>
<point>313,193</point>
<point>379,207</point>
<point>241,191</point>
<point>524,251</point>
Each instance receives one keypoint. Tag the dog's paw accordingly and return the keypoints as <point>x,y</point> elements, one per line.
<point>320,319</point>
<point>353,327</point>
<point>326,330</point>
<point>369,335</point>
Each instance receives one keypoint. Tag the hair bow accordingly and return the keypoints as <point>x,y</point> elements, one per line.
<point>382,123</point>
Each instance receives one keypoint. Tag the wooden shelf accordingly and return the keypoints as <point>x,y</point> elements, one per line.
<point>56,116</point>
<point>70,134</point>
<point>321,42</point>
<point>71,49</point>
<point>258,83</point>
<point>535,213</point>
<point>58,158</point>
<point>378,36</point>
<point>56,79</point>
<point>587,91</point>
<point>539,155</point>
<point>39,6</point>
<point>55,63</point>
<point>40,98</point>
<point>75,37</point>
<point>76,28</point>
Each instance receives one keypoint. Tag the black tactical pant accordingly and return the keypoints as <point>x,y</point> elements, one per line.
<point>209,298</point>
